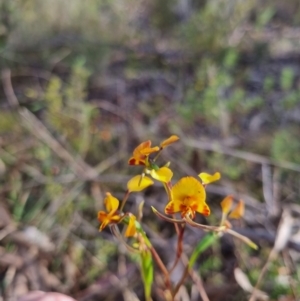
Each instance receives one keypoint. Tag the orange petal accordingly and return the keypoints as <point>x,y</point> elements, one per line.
<point>169,141</point>
<point>109,220</point>
<point>226,204</point>
<point>104,223</point>
<point>207,178</point>
<point>201,208</point>
<point>111,203</point>
<point>172,207</point>
<point>149,150</point>
<point>136,161</point>
<point>102,216</point>
<point>105,219</point>
<point>238,211</point>
<point>163,174</point>
<point>131,228</point>
<point>138,184</point>
<point>143,145</point>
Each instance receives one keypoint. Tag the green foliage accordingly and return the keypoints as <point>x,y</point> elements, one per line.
<point>265,16</point>
<point>287,78</point>
<point>251,103</point>
<point>68,111</point>
<point>208,28</point>
<point>8,123</point>
<point>204,98</point>
<point>215,97</point>
<point>279,290</point>
<point>229,167</point>
<point>212,264</point>
<point>286,145</point>
<point>76,41</point>
<point>231,58</point>
<point>291,100</point>
<point>269,83</point>
<point>163,15</point>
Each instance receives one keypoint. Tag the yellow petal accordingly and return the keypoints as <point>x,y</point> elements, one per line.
<point>164,174</point>
<point>111,203</point>
<point>131,228</point>
<point>188,188</point>
<point>207,178</point>
<point>169,141</point>
<point>226,204</point>
<point>238,211</point>
<point>136,184</point>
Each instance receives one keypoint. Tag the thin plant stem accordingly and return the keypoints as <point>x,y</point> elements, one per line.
<point>124,200</point>
<point>203,227</point>
<point>115,230</point>
<point>168,190</point>
<point>243,238</point>
<point>169,219</point>
<point>179,246</point>
<point>157,155</point>
<point>181,281</point>
<point>162,267</point>
<point>176,226</point>
<point>263,271</point>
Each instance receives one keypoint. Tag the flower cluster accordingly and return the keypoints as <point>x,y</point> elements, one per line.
<point>187,197</point>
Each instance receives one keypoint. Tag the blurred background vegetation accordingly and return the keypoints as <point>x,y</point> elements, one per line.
<point>83,82</point>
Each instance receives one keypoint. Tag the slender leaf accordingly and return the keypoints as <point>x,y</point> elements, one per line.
<point>147,272</point>
<point>208,240</point>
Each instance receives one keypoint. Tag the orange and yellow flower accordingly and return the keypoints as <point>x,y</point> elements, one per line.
<point>141,153</point>
<point>236,213</point>
<point>188,197</point>
<point>111,216</point>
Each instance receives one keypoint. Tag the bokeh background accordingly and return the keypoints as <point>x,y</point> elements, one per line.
<point>84,82</point>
